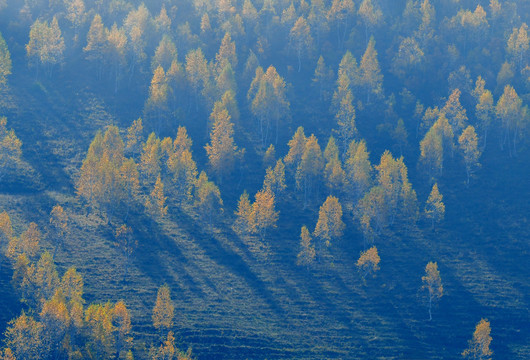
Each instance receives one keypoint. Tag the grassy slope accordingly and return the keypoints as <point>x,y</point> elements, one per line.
<point>233,301</point>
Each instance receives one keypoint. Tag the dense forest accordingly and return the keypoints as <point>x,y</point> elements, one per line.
<point>264,179</point>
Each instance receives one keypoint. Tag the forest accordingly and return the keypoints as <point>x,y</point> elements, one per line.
<point>264,179</point>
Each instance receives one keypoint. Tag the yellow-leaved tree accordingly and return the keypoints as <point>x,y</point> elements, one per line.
<point>163,311</point>
<point>433,283</point>
<point>306,256</point>
<point>479,345</point>
<point>434,207</point>
<point>368,262</point>
<point>329,225</point>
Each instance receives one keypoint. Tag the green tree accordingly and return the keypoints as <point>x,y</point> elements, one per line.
<point>433,283</point>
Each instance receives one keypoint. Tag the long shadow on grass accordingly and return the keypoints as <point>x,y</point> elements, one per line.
<point>152,242</point>
<point>226,257</point>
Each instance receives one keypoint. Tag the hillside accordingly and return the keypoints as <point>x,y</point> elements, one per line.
<point>239,295</point>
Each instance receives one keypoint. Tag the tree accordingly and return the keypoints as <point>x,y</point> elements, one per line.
<point>263,213</point>
<point>329,225</point>
<point>221,150</point>
<point>455,112</point>
<point>181,164</point>
<point>368,262</point>
<point>156,202</point>
<point>306,256</point>
<point>479,345</point>
<point>437,141</point>
<point>243,223</point>
<point>158,96</point>
<point>275,179</point>
<point>434,207</point>
<point>75,14</point>
<point>468,144</point>
<point>371,15</point>
<point>408,58</point>
<point>300,38</point>
<point>358,169</point>
<point>269,157</point>
<point>296,149</point>
<point>24,337</point>
<point>98,318</point>
<point>322,79</point>
<point>334,174</point>
<point>117,45</point>
<point>340,13</point>
<point>10,149</point>
<point>5,61</point>
<point>269,102</point>
<point>150,160</point>
<point>208,198</point>
<point>134,138</point>
<point>27,243</point>
<point>518,44</point>
<point>55,320</point>
<point>433,283</point>
<point>310,167</point>
<point>58,226</point>
<point>371,79</point>
<point>163,311</point>
<point>46,45</point>
<point>96,39</point>
<point>107,180</point>
<point>6,233</point>
<point>121,321</point>
<point>135,26</point>
<point>510,112</point>
<point>345,118</point>
<point>165,54</point>
<point>227,53</point>
<point>484,111</point>
<point>197,73</point>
